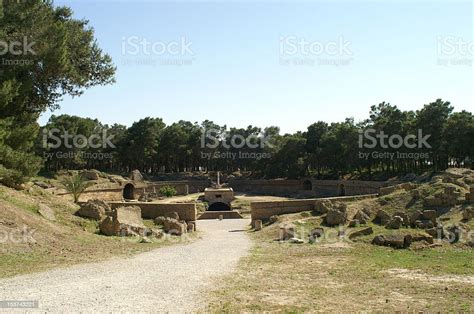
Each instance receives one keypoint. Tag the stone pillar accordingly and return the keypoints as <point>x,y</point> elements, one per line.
<point>191,226</point>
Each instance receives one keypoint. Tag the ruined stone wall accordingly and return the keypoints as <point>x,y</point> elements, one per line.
<point>264,210</point>
<point>182,187</point>
<point>106,195</point>
<point>186,211</point>
<point>319,188</point>
<point>266,187</point>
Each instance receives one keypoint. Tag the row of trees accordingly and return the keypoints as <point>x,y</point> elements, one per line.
<point>436,138</point>
<point>49,54</point>
<point>45,54</point>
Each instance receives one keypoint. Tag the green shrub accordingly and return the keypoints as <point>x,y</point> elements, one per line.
<point>167,191</point>
<point>75,185</point>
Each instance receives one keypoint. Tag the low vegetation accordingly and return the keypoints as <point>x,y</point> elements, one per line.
<point>30,242</point>
<point>167,191</point>
<point>335,273</point>
<point>339,275</point>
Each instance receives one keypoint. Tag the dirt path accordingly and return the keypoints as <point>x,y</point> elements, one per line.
<point>167,279</point>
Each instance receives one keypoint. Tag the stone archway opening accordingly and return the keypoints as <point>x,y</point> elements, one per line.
<point>342,190</point>
<point>219,206</point>
<point>307,185</point>
<point>129,192</point>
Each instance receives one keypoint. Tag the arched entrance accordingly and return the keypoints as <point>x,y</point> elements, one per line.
<point>342,190</point>
<point>307,185</point>
<point>129,192</point>
<point>219,206</point>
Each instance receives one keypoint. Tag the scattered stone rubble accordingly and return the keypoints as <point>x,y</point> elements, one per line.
<point>94,209</point>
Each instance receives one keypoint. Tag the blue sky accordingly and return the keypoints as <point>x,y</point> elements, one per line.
<point>240,72</point>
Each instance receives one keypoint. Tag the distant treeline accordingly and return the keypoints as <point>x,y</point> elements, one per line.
<point>51,55</point>
<point>391,141</point>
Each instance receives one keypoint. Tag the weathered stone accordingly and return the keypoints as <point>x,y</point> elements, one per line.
<point>404,216</point>
<point>136,175</point>
<point>414,216</point>
<point>378,240</point>
<point>287,232</point>
<point>398,241</point>
<point>42,184</point>
<point>316,233</point>
<point>382,217</point>
<point>468,213</point>
<point>424,224</point>
<point>322,206</point>
<point>354,223</point>
<point>394,223</point>
<point>429,215</point>
<point>453,233</point>
<point>46,212</point>
<point>435,232</point>
<point>90,174</point>
<point>337,215</point>
<point>95,209</point>
<point>362,217</point>
<point>273,219</point>
<point>361,232</point>
<point>257,225</point>
<point>173,215</point>
<point>174,227</point>
<point>145,240</point>
<point>191,226</point>
<point>124,221</point>
<point>416,194</point>
<point>160,220</point>
<point>296,241</point>
<point>422,237</point>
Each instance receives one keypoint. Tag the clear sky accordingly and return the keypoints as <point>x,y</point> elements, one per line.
<point>285,63</point>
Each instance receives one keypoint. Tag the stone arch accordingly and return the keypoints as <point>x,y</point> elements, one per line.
<point>307,185</point>
<point>342,190</point>
<point>219,206</point>
<point>129,191</point>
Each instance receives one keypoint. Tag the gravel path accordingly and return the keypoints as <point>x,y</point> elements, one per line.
<point>169,279</point>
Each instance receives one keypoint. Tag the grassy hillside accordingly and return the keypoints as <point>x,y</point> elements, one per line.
<point>29,242</point>
<point>338,274</point>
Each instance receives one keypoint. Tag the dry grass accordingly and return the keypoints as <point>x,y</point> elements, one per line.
<point>345,276</point>
<point>68,240</point>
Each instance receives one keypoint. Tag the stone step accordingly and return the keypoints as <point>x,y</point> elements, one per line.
<point>228,214</point>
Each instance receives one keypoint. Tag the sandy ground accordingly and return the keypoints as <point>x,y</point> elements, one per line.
<point>171,279</point>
